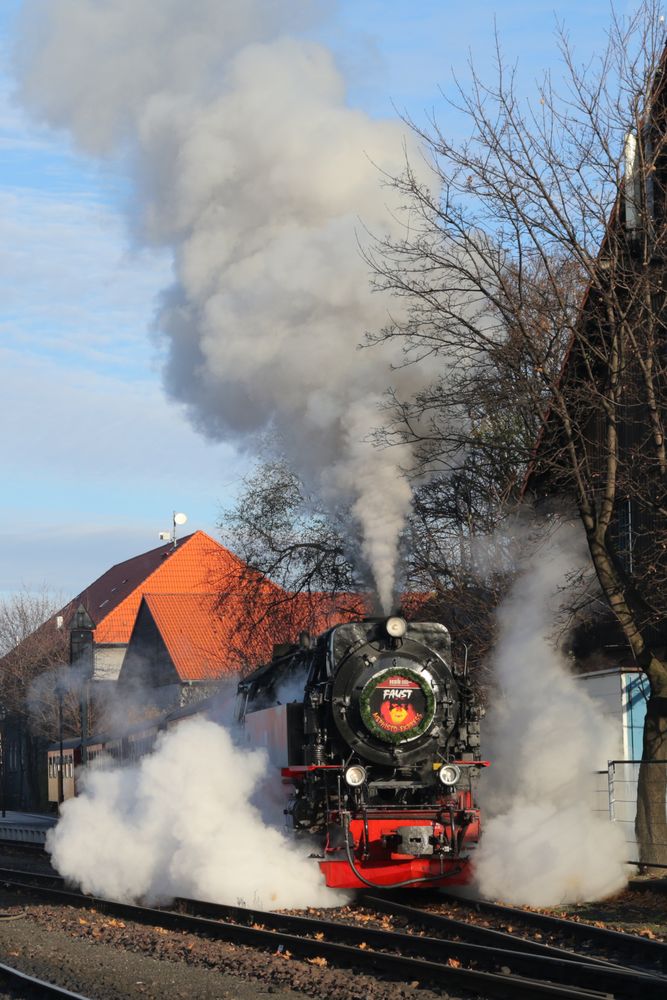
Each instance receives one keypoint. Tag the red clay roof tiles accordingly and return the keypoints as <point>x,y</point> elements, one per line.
<point>204,638</point>
<point>196,565</point>
<point>206,641</point>
<point>198,638</point>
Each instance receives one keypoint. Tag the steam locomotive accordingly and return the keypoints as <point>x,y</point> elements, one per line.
<point>377,739</point>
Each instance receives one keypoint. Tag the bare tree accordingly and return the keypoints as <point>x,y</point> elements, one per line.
<point>295,574</point>
<point>31,642</point>
<point>53,686</point>
<point>301,573</point>
<point>546,197</point>
<point>288,536</point>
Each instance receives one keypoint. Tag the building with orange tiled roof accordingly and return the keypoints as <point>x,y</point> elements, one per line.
<point>191,639</point>
<point>186,639</point>
<point>184,645</point>
<point>196,565</point>
<point>224,627</point>
<point>157,621</point>
<point>222,635</point>
<point>177,621</point>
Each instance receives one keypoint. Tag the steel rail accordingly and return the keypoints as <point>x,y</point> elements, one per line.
<point>492,940</point>
<point>37,876</point>
<point>30,847</point>
<point>655,951</point>
<point>22,981</point>
<point>555,964</point>
<point>470,933</point>
<point>488,936</point>
<point>565,978</point>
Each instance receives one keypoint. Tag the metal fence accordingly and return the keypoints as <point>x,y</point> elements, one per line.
<point>615,795</point>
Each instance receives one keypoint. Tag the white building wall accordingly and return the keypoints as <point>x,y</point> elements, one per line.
<point>107,663</point>
<point>605,688</point>
<point>619,696</point>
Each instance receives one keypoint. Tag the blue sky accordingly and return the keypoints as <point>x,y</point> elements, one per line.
<point>95,458</point>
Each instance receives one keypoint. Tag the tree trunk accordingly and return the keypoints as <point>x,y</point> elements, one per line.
<point>651,819</point>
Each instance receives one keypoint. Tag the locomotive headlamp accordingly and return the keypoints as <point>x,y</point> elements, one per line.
<point>449,774</point>
<point>355,775</point>
<point>396,627</point>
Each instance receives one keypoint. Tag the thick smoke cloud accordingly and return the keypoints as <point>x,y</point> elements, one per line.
<point>251,167</point>
<point>172,826</point>
<point>543,844</point>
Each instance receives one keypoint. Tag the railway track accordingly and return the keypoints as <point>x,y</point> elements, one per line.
<point>29,986</point>
<point>26,847</point>
<point>611,942</point>
<point>501,966</point>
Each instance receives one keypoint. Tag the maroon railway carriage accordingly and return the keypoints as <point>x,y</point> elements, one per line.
<point>377,739</point>
<point>70,762</point>
<point>125,749</point>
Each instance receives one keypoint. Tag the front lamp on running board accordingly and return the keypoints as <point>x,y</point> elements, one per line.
<point>449,774</point>
<point>355,775</point>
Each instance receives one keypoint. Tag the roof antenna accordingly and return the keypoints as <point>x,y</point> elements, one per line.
<point>177,519</point>
<point>166,536</point>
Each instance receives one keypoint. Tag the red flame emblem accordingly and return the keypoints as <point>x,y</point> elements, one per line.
<point>397,704</point>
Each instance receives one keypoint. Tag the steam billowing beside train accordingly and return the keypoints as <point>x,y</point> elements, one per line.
<point>378,737</point>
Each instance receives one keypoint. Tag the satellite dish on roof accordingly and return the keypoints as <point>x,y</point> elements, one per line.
<point>176,520</point>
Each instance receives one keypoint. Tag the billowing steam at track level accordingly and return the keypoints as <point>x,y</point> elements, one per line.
<point>380,751</point>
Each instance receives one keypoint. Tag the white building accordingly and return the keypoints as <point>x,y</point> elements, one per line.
<point>621,696</point>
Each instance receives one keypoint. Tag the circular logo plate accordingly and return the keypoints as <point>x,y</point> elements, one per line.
<point>397,704</point>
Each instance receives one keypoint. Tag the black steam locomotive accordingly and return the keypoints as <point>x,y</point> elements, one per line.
<point>378,737</point>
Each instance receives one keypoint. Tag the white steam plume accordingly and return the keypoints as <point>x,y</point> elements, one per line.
<point>251,168</point>
<point>181,823</point>
<point>543,844</point>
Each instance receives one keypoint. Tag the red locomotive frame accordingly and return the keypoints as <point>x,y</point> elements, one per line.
<point>363,851</point>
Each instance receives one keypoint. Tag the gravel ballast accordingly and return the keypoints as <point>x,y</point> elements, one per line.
<point>109,959</point>
<point>105,958</point>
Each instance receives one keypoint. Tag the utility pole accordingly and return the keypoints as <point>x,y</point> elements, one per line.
<point>3,759</point>
<point>81,656</point>
<point>61,763</point>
